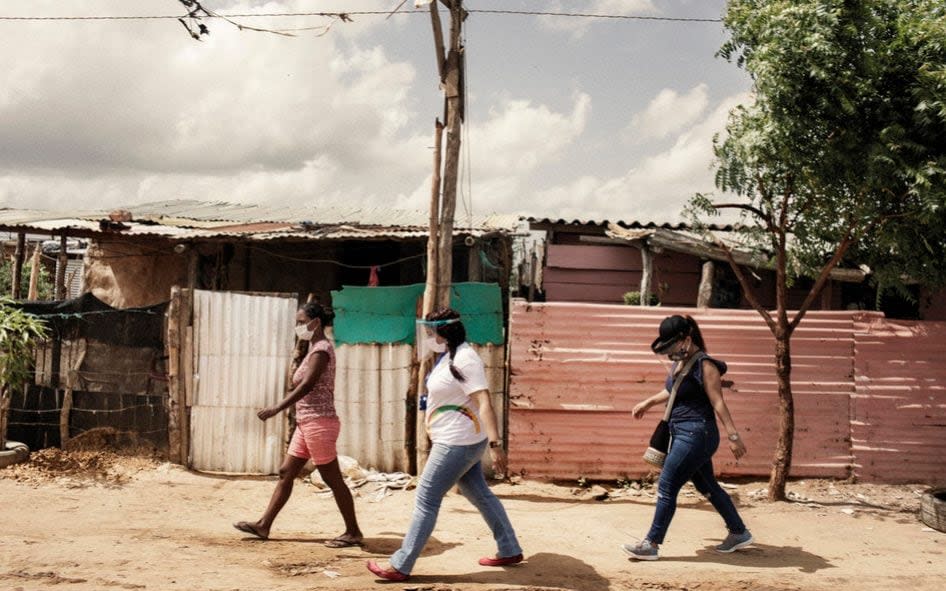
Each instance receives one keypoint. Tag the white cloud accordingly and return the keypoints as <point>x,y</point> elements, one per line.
<point>667,113</point>
<point>577,27</point>
<point>658,188</point>
<point>119,111</point>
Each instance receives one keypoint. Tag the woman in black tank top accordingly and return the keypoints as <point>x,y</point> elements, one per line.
<point>695,436</point>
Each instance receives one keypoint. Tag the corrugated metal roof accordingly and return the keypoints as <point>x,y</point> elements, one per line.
<point>699,244</point>
<point>190,219</point>
<point>629,224</point>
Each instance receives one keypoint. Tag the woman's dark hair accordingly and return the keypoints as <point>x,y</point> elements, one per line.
<point>454,333</point>
<point>695,334</point>
<point>313,310</point>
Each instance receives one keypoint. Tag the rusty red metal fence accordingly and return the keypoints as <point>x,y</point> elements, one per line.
<point>576,371</point>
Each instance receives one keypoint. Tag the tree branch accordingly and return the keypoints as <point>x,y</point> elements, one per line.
<point>752,209</point>
<point>746,288</point>
<point>825,273</point>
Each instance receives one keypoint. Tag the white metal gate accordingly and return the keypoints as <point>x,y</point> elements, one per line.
<point>242,350</point>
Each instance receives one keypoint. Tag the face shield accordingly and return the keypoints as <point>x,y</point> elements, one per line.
<point>678,351</point>
<point>673,352</point>
<point>426,337</point>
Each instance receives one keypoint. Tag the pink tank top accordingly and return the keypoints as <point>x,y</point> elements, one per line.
<point>320,400</point>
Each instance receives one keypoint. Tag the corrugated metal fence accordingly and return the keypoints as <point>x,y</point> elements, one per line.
<point>576,371</point>
<point>371,386</point>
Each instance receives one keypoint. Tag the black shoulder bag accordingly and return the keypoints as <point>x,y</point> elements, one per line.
<point>660,441</point>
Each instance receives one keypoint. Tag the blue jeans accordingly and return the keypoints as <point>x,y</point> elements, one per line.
<point>448,465</point>
<point>692,446</point>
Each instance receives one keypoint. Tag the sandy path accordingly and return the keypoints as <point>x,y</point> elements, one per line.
<point>166,528</point>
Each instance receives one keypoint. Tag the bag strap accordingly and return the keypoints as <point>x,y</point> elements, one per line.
<point>677,381</point>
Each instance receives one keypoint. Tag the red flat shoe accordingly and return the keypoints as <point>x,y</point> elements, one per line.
<point>391,574</point>
<point>490,561</point>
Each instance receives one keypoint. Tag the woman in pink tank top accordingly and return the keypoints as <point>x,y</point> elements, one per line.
<point>317,428</point>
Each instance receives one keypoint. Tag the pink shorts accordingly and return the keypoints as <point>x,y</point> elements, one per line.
<point>315,439</point>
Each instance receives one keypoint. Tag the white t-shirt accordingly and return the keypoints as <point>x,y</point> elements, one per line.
<point>453,417</point>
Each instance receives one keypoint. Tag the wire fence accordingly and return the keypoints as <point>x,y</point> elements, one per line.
<point>35,417</point>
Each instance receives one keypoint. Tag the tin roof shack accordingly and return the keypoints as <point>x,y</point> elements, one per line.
<point>100,373</point>
<point>599,262</point>
<point>241,269</point>
<point>136,254</point>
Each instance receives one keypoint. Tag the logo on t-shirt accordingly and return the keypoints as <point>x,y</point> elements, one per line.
<point>463,410</point>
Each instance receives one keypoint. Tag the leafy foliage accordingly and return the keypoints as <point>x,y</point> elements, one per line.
<point>846,138</point>
<point>633,298</point>
<point>44,286</point>
<point>841,152</point>
<point>17,332</point>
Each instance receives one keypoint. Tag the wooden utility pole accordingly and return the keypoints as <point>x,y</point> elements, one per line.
<point>443,192</point>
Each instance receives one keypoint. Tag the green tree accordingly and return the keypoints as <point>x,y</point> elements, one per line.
<point>17,332</point>
<point>44,286</point>
<point>842,152</point>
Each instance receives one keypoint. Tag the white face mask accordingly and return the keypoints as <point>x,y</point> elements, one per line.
<point>432,345</point>
<point>303,332</point>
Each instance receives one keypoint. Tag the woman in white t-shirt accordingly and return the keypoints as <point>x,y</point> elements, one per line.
<point>461,423</point>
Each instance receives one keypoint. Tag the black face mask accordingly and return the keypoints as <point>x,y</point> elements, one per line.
<point>680,354</point>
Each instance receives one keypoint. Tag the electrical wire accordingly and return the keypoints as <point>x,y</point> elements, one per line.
<point>385,13</point>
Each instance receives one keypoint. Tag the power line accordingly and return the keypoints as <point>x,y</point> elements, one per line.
<point>603,16</point>
<point>361,13</point>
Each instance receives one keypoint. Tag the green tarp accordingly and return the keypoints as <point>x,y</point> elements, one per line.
<point>387,314</point>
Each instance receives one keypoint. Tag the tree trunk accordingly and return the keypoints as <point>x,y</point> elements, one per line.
<point>704,296</point>
<point>782,461</point>
<point>647,264</point>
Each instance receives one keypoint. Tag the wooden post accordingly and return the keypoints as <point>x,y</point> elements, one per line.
<point>175,396</point>
<point>443,194</point>
<point>827,295</point>
<point>647,261</point>
<point>33,293</point>
<point>433,238</point>
<point>72,383</point>
<point>474,264</point>
<point>180,372</point>
<point>452,87</point>
<point>705,294</point>
<point>533,273</point>
<point>61,262</point>
<point>18,256</point>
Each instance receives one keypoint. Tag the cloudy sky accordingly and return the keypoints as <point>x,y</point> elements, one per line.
<point>567,117</point>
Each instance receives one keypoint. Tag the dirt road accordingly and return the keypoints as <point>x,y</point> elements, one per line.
<point>131,523</point>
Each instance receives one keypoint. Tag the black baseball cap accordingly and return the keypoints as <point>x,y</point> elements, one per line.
<point>672,330</point>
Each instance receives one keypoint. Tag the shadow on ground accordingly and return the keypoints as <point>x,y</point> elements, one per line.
<point>539,570</point>
<point>758,556</point>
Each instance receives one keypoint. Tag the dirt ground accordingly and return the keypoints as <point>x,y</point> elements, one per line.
<point>97,520</point>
